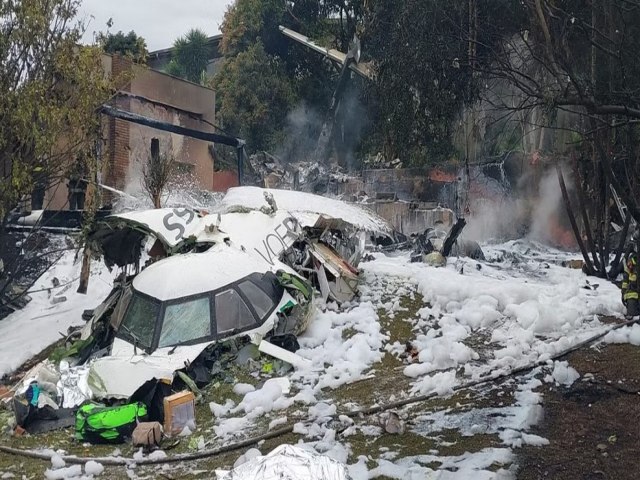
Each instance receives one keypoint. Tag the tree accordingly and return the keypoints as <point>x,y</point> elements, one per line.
<point>129,45</point>
<point>257,96</point>
<point>301,75</point>
<point>157,172</point>
<point>51,91</point>
<point>190,56</point>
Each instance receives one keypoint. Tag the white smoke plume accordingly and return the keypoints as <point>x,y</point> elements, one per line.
<point>534,210</point>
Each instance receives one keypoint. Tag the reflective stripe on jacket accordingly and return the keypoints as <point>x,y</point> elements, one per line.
<point>630,279</point>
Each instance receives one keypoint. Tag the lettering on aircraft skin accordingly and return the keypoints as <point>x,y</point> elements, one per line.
<point>272,246</point>
<point>276,242</point>
<point>172,223</point>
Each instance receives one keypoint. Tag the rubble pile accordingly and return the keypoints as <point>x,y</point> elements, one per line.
<point>194,289</point>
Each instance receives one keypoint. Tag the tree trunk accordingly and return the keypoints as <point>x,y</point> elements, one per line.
<point>585,217</point>
<point>572,219</point>
<point>85,270</point>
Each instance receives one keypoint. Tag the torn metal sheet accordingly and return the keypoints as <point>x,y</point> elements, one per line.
<point>170,225</point>
<point>363,69</point>
<point>288,462</point>
<point>127,368</point>
<point>300,203</point>
<point>266,236</point>
<point>342,279</point>
<point>119,378</point>
<point>73,386</point>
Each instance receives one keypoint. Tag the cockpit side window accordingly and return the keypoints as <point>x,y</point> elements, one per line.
<point>185,322</point>
<point>232,312</point>
<point>140,320</point>
<point>260,301</point>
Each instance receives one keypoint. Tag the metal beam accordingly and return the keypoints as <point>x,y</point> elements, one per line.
<point>238,143</point>
<point>170,127</point>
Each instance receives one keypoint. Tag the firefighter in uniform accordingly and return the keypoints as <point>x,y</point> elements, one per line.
<point>77,185</point>
<point>630,286</point>
<point>39,187</point>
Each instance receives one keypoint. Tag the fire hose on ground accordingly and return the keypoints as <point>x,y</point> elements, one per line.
<point>120,461</point>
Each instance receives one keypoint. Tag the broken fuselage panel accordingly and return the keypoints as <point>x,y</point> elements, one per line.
<point>273,225</point>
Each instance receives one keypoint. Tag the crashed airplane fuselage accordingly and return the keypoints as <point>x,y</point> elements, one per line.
<point>176,308</point>
<point>245,271</point>
<point>320,238</point>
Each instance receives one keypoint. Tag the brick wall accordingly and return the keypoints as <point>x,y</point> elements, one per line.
<point>118,132</point>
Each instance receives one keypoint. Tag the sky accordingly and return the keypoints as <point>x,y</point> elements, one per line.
<point>159,22</point>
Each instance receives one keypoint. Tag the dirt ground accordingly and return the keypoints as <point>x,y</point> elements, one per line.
<point>594,425</point>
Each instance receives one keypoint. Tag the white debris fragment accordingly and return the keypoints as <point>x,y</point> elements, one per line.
<point>247,456</point>
<point>321,412</point>
<point>269,397</point>
<point>157,455</point>
<point>57,461</point>
<point>93,468</point>
<point>221,410</point>
<point>139,455</point>
<point>243,388</point>
<point>563,374</point>
<point>277,422</point>
<point>629,334</point>
<point>63,473</point>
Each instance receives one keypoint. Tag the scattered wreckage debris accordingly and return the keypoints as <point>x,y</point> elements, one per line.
<point>52,221</point>
<point>284,430</point>
<point>210,285</point>
<point>288,462</point>
<point>435,245</point>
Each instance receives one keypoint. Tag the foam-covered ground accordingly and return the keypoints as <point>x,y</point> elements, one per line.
<point>462,322</point>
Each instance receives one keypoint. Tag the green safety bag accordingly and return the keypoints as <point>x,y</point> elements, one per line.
<point>99,424</point>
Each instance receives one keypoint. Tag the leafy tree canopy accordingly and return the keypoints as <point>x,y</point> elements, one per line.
<point>258,95</point>
<point>129,45</point>
<point>51,90</point>
<point>190,57</point>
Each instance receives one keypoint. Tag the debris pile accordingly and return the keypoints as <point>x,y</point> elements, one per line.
<point>194,289</point>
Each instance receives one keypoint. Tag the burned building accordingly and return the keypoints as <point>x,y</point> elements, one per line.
<point>125,146</point>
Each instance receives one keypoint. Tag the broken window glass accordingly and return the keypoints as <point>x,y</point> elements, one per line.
<point>186,321</point>
<point>261,302</point>
<point>231,312</point>
<point>140,320</point>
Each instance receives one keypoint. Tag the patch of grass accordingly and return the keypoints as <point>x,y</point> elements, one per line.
<point>388,378</point>
<point>408,443</point>
<point>456,444</point>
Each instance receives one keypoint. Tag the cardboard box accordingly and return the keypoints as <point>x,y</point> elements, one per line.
<point>179,412</point>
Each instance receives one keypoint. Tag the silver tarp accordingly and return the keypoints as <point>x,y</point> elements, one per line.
<point>289,462</point>
<point>73,387</point>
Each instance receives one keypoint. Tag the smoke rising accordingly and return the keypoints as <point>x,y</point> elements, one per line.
<point>301,131</point>
<point>304,124</point>
<point>533,210</point>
